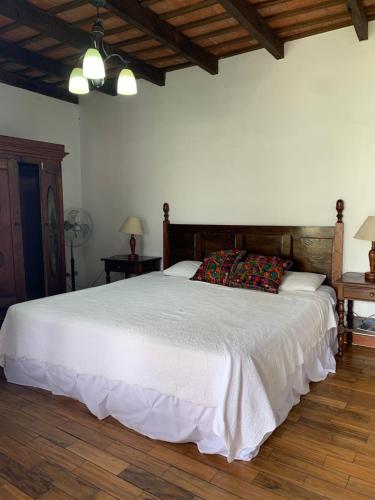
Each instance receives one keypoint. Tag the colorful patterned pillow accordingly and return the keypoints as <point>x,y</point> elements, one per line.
<point>218,266</point>
<point>260,272</point>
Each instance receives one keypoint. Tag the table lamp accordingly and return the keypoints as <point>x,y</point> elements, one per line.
<point>367,232</point>
<point>132,226</point>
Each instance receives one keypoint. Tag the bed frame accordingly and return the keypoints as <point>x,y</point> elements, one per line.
<point>316,249</point>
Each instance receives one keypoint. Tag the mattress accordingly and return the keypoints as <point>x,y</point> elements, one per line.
<point>176,359</point>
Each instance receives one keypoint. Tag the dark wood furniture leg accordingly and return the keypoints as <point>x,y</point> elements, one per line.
<point>349,321</point>
<point>107,276</point>
<point>341,327</point>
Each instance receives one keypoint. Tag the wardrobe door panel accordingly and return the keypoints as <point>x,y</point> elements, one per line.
<point>53,227</point>
<point>12,276</point>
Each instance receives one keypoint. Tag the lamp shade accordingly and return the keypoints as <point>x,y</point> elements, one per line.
<point>126,83</point>
<point>93,65</point>
<point>367,230</point>
<point>78,84</point>
<point>132,225</point>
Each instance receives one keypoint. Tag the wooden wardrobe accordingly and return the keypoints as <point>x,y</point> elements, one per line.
<point>32,258</point>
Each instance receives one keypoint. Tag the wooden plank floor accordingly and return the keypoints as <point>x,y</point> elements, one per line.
<point>53,448</point>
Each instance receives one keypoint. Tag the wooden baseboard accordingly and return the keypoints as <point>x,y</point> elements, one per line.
<point>365,340</point>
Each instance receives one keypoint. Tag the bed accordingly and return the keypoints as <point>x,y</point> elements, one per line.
<point>185,361</point>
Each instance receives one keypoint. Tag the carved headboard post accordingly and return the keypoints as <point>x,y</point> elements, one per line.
<point>166,236</point>
<point>338,243</point>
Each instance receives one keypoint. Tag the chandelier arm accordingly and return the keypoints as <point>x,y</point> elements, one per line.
<point>124,61</point>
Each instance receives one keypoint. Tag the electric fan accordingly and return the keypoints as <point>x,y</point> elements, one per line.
<point>77,230</point>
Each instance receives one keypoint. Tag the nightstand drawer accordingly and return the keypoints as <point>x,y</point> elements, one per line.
<point>122,264</point>
<point>359,293</point>
<point>120,268</point>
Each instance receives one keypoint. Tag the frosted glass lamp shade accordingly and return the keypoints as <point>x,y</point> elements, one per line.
<point>93,65</point>
<point>132,225</point>
<point>78,84</point>
<point>367,230</point>
<point>126,83</point>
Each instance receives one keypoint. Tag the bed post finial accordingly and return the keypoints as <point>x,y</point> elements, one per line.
<point>340,209</point>
<point>166,236</point>
<point>166,212</point>
<point>338,243</point>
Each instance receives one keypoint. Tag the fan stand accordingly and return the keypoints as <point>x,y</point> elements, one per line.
<point>72,268</point>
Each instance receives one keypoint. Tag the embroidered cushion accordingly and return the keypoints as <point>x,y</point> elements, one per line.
<point>218,266</point>
<point>260,272</point>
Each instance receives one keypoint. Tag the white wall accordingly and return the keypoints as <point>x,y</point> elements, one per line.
<point>32,116</point>
<point>264,142</point>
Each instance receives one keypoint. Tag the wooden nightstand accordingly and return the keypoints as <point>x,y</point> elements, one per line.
<point>121,264</point>
<point>351,286</point>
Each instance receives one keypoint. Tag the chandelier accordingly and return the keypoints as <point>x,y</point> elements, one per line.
<point>93,66</point>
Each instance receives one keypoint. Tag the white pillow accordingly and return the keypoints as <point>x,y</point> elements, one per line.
<point>305,282</point>
<point>183,269</point>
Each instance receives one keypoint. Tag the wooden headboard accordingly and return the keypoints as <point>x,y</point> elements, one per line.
<point>316,249</point>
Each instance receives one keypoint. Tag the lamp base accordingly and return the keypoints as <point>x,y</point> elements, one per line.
<point>370,277</point>
<point>132,256</point>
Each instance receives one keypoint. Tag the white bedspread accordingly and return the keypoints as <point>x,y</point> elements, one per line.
<point>229,349</point>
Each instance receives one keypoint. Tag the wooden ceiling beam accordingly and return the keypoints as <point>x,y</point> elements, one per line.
<point>164,16</point>
<point>358,15</point>
<point>149,22</point>
<point>123,29</point>
<point>272,18</point>
<point>187,9</point>
<point>29,15</point>
<point>41,37</point>
<point>73,4</point>
<point>39,87</point>
<point>8,27</point>
<point>252,21</point>
<point>168,15</point>
<point>204,22</point>
<point>132,41</point>
<point>58,9</point>
<point>310,27</point>
<point>34,60</point>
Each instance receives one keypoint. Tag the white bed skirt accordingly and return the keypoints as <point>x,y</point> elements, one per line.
<point>160,416</point>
